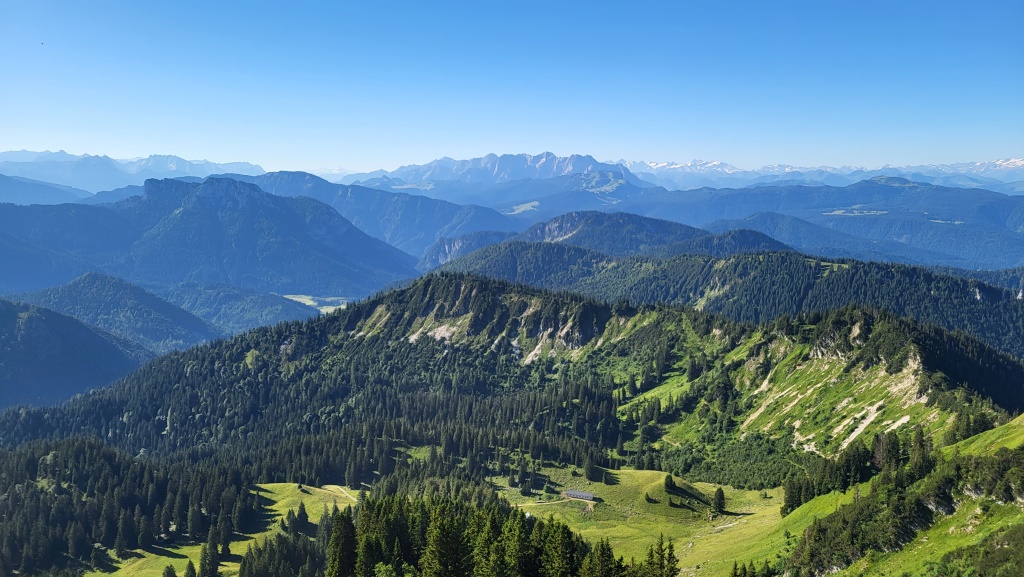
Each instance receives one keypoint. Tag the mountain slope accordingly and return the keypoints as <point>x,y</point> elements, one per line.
<point>35,266</point>
<point>1011,278</point>
<point>501,337</point>
<point>126,310</point>
<point>614,234</point>
<point>234,309</point>
<point>762,287</point>
<point>224,231</point>
<point>938,225</point>
<point>970,225</point>
<point>611,233</point>
<point>217,231</point>
<point>820,240</point>
<point>46,357</point>
<point>457,382</point>
<point>26,191</point>
<point>409,222</point>
<point>447,249</point>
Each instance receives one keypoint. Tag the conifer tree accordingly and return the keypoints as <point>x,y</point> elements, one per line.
<point>446,553</point>
<point>719,502</point>
<point>341,551</point>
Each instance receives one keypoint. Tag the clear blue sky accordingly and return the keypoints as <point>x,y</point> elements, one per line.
<point>367,85</point>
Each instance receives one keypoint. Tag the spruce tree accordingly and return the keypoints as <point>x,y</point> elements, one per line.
<point>341,551</point>
<point>719,502</point>
<point>446,553</point>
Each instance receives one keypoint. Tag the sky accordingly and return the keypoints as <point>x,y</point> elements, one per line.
<point>366,85</point>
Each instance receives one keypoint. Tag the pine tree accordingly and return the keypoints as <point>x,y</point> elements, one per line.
<point>341,551</point>
<point>515,542</point>
<point>719,502</point>
<point>369,554</point>
<point>208,558</point>
<point>601,562</point>
<point>169,572</point>
<point>190,569</point>
<point>558,557</point>
<point>446,553</point>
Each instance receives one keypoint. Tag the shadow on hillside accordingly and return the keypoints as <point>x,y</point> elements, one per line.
<point>688,492</point>
<point>264,519</point>
<point>163,552</point>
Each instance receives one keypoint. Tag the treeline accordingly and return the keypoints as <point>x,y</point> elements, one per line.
<point>70,504</point>
<point>437,536</point>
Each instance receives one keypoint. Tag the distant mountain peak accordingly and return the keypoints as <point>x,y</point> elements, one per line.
<point>495,169</point>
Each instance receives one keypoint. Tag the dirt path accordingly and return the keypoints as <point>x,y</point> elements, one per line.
<point>342,490</point>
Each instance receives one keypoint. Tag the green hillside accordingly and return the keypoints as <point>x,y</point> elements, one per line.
<point>280,498</point>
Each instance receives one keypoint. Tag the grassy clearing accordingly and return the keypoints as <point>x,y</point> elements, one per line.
<point>282,497</point>
<point>285,497</point>
<point>633,510</point>
<point>323,304</point>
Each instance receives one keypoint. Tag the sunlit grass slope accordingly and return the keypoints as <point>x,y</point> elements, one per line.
<point>281,497</point>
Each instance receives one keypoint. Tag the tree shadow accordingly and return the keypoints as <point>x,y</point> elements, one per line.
<point>689,492</point>
<point>163,552</point>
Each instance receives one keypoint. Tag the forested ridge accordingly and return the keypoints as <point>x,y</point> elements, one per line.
<point>762,287</point>
<point>126,310</point>
<point>46,357</point>
<point>436,389</point>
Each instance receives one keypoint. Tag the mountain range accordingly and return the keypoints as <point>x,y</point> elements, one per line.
<point>617,234</point>
<point>617,358</point>
<point>870,214</point>
<point>1005,175</point>
<point>409,222</point>
<point>96,173</point>
<point>518,394</point>
<point>492,169</point>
